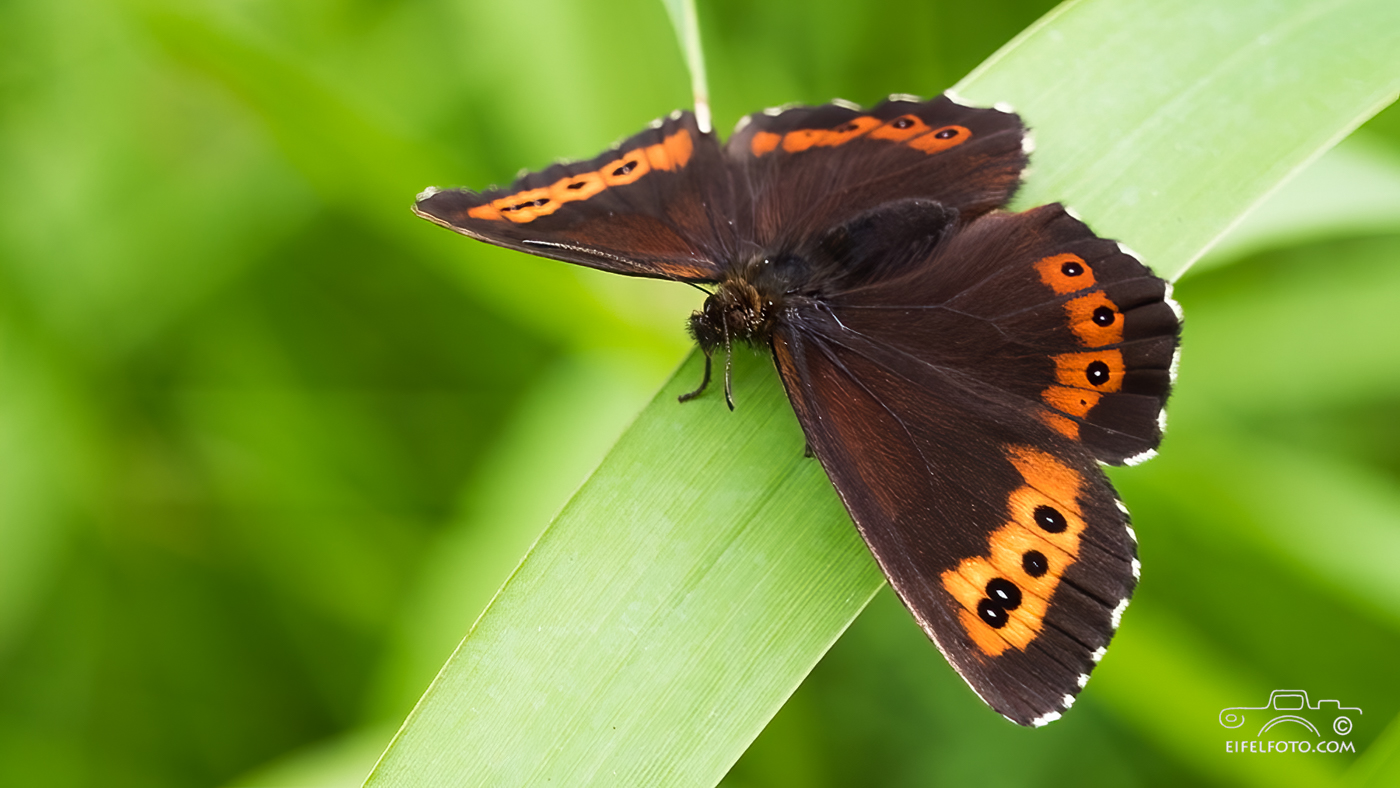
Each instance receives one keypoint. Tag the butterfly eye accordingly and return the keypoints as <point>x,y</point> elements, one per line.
<point>1072,269</point>
<point>1034,562</point>
<point>577,185</point>
<point>1050,519</point>
<point>1104,316</point>
<point>624,169</point>
<point>847,127</point>
<point>903,123</point>
<point>945,134</point>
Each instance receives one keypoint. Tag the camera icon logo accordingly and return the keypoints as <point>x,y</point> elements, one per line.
<point>1291,706</point>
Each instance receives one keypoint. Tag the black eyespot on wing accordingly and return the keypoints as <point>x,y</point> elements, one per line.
<point>994,614</point>
<point>1096,373</point>
<point>1050,519</point>
<point>1034,563</point>
<point>1004,593</point>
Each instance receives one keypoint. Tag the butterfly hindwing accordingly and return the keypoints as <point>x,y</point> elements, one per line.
<point>1002,537</point>
<point>932,393</point>
<point>657,205</point>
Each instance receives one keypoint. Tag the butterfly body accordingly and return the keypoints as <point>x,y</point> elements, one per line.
<point>959,371</point>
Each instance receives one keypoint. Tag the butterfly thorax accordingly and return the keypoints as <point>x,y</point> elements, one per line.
<point>747,306</point>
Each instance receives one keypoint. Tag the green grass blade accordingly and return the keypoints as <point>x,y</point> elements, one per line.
<point>693,581</point>
<point>640,634</point>
<point>1380,766</point>
<point>683,18</point>
<point>1165,124</point>
<point>1352,191</point>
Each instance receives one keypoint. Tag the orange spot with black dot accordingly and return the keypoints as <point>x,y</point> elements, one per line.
<point>628,169</point>
<point>904,127</point>
<point>1065,273</point>
<point>1042,533</point>
<point>1009,548</point>
<point>1072,401</point>
<point>803,139</point>
<point>939,140</point>
<point>764,142</point>
<point>1100,370</point>
<point>578,187</point>
<point>1095,319</point>
<point>525,206</point>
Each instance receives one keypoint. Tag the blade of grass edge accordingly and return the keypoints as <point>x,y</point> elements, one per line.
<point>693,581</point>
<point>687,25</point>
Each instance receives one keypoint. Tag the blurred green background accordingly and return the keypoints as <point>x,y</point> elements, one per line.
<point>268,443</point>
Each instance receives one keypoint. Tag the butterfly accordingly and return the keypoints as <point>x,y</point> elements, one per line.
<point>959,371</point>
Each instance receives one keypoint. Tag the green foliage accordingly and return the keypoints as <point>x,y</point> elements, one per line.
<point>269,444</point>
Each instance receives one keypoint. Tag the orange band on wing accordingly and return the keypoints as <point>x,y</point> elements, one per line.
<point>908,129</point>
<point>764,142</point>
<point>579,187</point>
<point>671,154</point>
<point>1066,427</point>
<point>802,139</point>
<point>525,206</point>
<point>1005,594</point>
<point>486,211</point>
<point>678,148</point>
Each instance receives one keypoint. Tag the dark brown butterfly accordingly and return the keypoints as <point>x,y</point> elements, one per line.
<point>959,371</point>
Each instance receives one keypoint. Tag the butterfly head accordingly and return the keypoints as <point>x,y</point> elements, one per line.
<point>738,310</point>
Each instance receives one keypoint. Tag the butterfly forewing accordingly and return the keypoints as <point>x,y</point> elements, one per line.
<point>810,169</point>
<point>1001,536</point>
<point>658,205</point>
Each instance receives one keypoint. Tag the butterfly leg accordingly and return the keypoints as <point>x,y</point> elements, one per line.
<point>704,384</point>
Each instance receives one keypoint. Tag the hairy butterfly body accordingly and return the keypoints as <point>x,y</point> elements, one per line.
<point>959,371</point>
